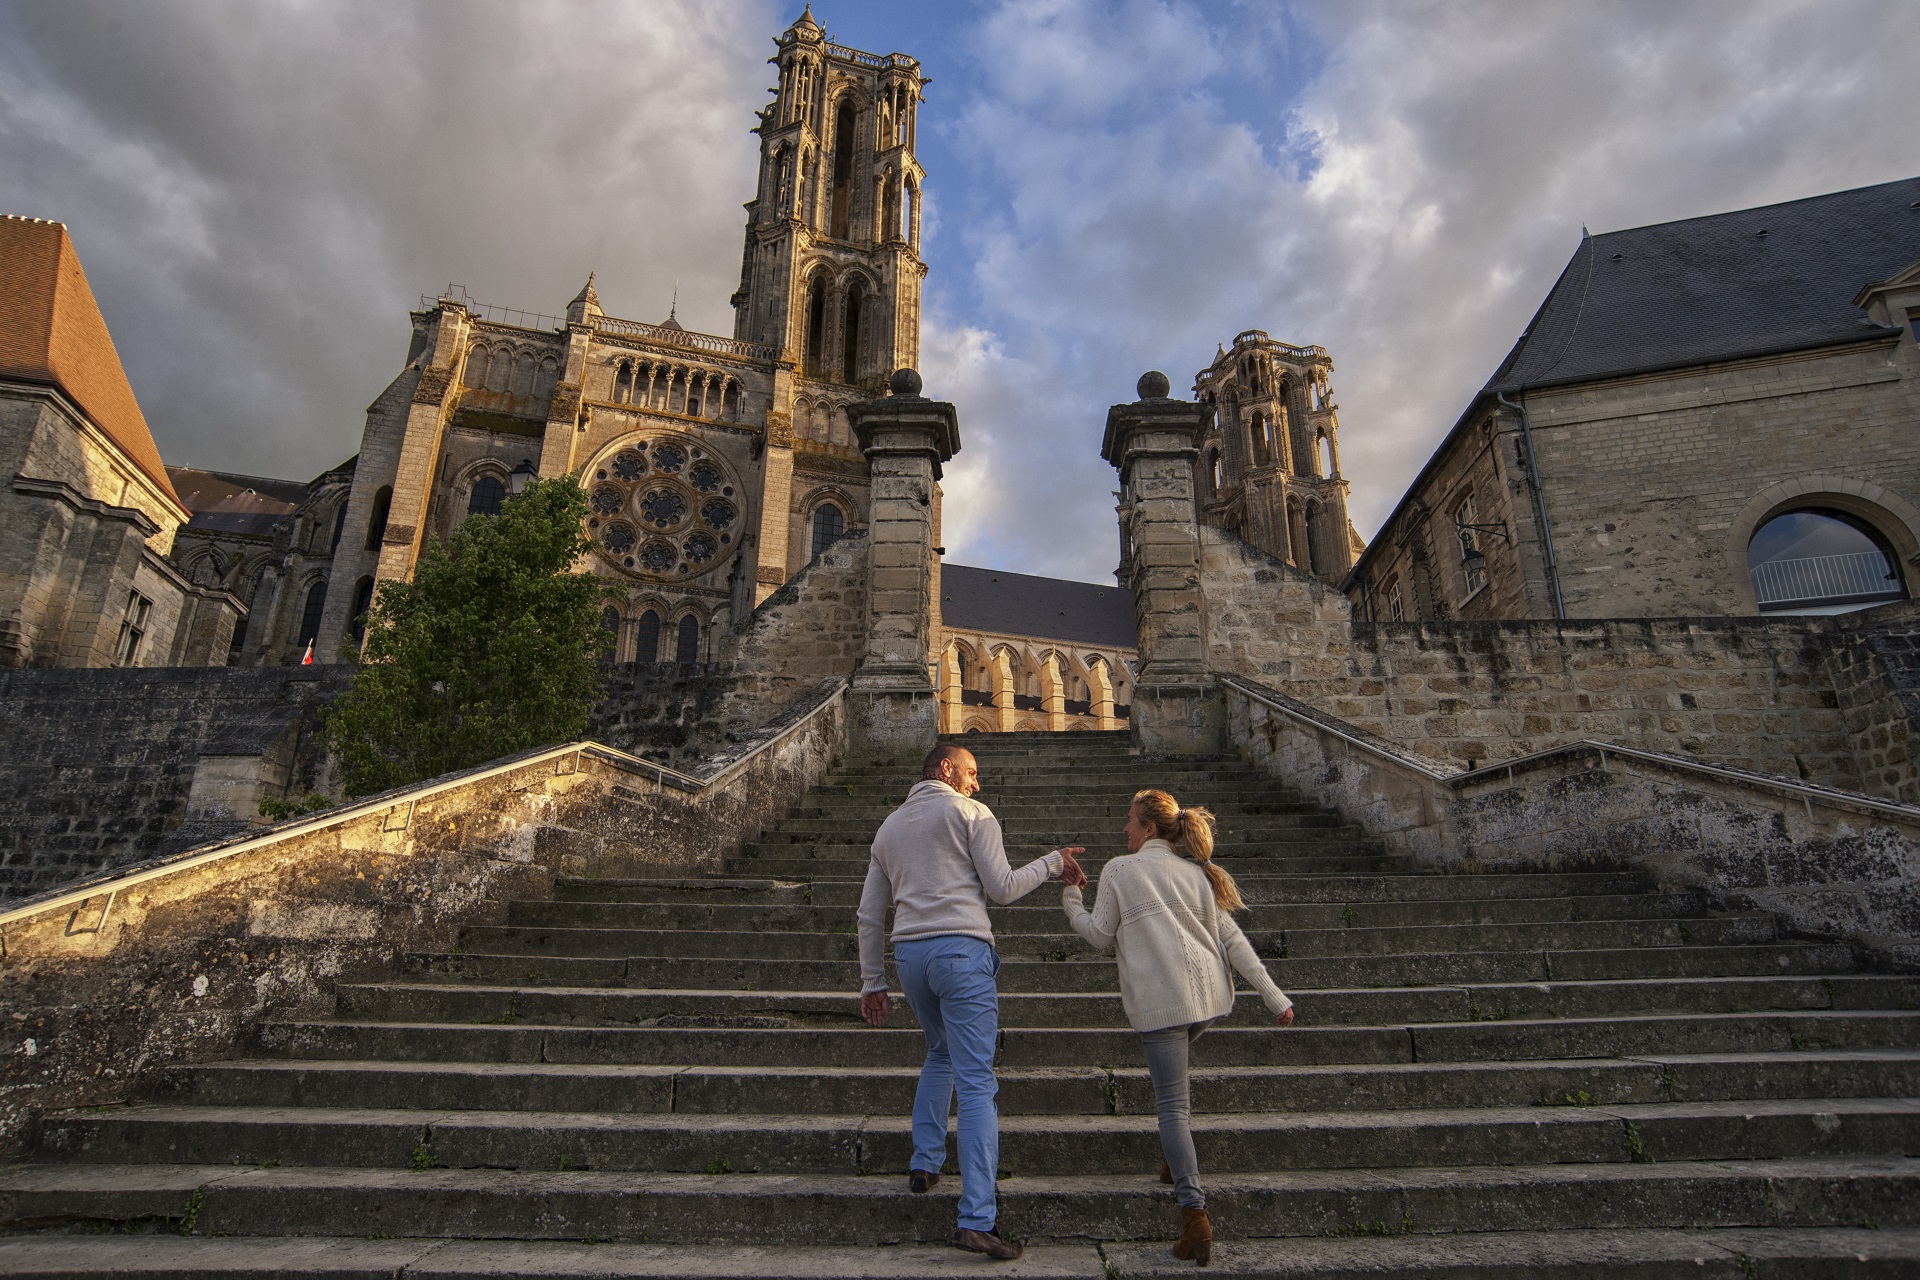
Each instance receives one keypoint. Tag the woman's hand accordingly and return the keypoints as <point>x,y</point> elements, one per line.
<point>1280,1020</point>
<point>1071,873</point>
<point>874,1007</point>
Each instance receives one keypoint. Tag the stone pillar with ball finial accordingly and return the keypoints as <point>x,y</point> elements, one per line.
<point>905,437</point>
<point>1153,442</point>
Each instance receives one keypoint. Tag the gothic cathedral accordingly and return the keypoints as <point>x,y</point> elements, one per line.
<point>717,467</point>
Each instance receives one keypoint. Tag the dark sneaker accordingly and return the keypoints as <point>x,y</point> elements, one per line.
<point>987,1242</point>
<point>921,1181</point>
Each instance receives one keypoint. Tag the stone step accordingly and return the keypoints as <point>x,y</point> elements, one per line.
<point>1038,826</point>
<point>1094,973</point>
<point>1041,912</point>
<point>739,1208</point>
<point>1727,1253</point>
<point>1085,1090</point>
<point>1254,887</point>
<point>1042,1145</point>
<point>802,862</point>
<point>1060,944</point>
<point>599,1006</point>
<point>693,1040</point>
<point>830,802</point>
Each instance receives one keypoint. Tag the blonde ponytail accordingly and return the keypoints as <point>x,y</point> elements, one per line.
<point>1191,832</point>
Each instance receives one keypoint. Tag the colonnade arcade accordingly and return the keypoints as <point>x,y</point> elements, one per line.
<point>655,384</point>
<point>992,685</point>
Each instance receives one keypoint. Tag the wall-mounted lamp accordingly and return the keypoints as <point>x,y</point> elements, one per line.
<point>1470,555</point>
<point>521,476</point>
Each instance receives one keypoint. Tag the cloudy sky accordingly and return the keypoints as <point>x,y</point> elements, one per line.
<point>261,191</point>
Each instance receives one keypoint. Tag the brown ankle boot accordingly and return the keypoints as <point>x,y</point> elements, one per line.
<point>1166,1174</point>
<point>1196,1237</point>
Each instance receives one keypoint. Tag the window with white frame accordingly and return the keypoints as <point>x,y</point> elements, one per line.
<point>1396,600</point>
<point>1473,563</point>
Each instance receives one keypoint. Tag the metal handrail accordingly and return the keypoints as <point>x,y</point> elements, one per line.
<point>1804,791</point>
<point>114,882</point>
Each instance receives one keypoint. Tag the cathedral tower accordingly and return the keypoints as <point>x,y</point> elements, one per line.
<point>1270,461</point>
<point>831,273</point>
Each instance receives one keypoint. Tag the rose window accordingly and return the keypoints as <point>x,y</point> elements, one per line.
<point>659,557</point>
<point>663,508</point>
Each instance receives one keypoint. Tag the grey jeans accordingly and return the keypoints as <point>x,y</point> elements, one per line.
<point>1173,1099</point>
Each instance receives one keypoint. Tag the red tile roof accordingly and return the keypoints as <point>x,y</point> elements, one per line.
<point>52,331</point>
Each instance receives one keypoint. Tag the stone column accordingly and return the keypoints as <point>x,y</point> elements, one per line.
<point>905,438</point>
<point>1053,693</point>
<point>1153,442</point>
<point>1100,690</point>
<point>951,706</point>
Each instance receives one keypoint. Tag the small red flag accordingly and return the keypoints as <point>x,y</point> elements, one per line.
<point>307,659</point>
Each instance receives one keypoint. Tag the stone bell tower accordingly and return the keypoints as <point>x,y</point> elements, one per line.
<point>1269,466</point>
<point>831,273</point>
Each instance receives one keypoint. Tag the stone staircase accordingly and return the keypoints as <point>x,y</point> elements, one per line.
<point>1571,1074</point>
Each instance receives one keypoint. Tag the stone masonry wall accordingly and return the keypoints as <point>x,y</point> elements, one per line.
<point>813,627</point>
<point>97,767</point>
<point>1873,660</point>
<point>188,967</point>
<point>1748,692</point>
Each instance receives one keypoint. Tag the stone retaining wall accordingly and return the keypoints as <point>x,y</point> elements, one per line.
<point>1828,700</point>
<point>1827,864</point>
<point>186,965</point>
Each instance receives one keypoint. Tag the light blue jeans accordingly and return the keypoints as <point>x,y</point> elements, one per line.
<point>949,982</point>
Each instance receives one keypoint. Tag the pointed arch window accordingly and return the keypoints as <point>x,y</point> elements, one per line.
<point>816,323</point>
<point>476,374</point>
<point>841,218</point>
<point>310,614</point>
<point>687,648</point>
<point>377,522</point>
<point>850,332</point>
<point>357,615</point>
<point>646,638</point>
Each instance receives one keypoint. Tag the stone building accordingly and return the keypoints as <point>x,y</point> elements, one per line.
<point>89,516</point>
<point>1270,462</point>
<point>271,543</point>
<point>718,466</point>
<point>1021,653</point>
<point>1708,417</point>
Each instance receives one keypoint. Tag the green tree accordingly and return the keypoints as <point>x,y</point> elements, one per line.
<point>492,648</point>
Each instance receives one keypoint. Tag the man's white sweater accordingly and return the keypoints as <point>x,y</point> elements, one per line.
<point>936,861</point>
<point>1173,940</point>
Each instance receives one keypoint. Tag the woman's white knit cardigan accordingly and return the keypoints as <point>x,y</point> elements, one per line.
<point>1174,943</point>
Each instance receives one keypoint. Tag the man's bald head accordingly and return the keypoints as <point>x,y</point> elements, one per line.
<point>934,765</point>
<point>954,766</point>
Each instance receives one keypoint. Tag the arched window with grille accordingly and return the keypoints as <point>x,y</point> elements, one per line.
<point>828,526</point>
<point>646,638</point>
<point>488,494</point>
<point>688,647</point>
<point>1819,560</point>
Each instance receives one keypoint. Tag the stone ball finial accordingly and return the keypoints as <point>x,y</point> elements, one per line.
<point>1153,385</point>
<point>904,382</point>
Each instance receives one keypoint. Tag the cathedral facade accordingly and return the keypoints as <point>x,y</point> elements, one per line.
<point>717,466</point>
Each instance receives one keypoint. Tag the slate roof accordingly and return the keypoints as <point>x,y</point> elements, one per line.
<point>1781,277</point>
<point>51,331</point>
<point>1002,603</point>
<point>222,502</point>
<point>1705,289</point>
